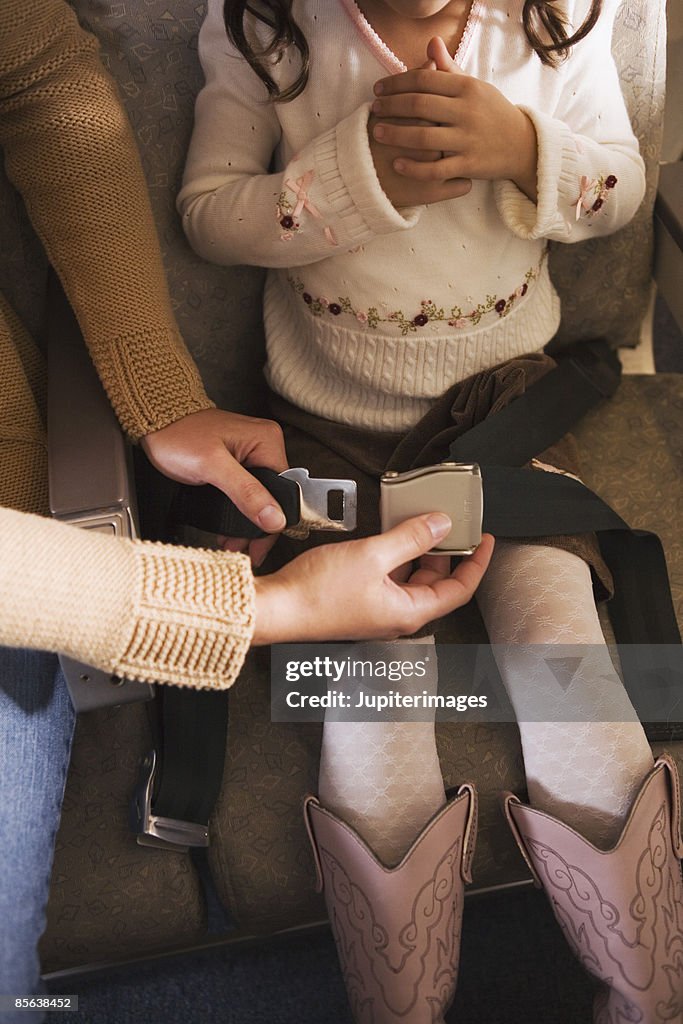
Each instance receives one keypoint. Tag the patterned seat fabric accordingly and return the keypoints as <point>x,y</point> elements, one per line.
<point>111,898</point>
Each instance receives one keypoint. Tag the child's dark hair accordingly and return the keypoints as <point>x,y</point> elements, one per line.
<point>277,15</point>
<point>545,29</point>
<point>539,14</point>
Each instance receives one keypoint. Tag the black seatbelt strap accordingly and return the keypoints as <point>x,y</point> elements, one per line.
<point>528,503</point>
<point>191,743</point>
<point>207,508</point>
<point>190,732</point>
<point>179,783</point>
<point>181,776</point>
<point>642,610</point>
<point>585,375</point>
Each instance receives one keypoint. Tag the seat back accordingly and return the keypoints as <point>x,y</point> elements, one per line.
<point>604,283</point>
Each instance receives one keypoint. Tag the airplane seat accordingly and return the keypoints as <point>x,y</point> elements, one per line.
<point>112,899</point>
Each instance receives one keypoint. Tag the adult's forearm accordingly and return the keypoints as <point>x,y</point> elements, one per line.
<point>70,152</point>
<point>153,612</point>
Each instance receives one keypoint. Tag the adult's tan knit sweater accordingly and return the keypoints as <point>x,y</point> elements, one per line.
<point>146,611</point>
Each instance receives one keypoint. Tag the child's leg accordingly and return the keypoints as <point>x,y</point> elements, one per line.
<point>397,931</point>
<point>383,778</point>
<point>586,772</point>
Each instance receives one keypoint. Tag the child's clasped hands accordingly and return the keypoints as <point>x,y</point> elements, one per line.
<point>433,129</point>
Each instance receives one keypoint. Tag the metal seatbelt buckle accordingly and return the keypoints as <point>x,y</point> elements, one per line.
<point>154,830</point>
<point>324,504</point>
<point>454,488</point>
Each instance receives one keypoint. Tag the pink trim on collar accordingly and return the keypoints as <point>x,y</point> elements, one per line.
<point>473,19</point>
<point>380,49</point>
<point>386,56</point>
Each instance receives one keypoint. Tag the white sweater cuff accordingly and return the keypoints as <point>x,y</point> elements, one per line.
<point>346,172</point>
<point>557,184</point>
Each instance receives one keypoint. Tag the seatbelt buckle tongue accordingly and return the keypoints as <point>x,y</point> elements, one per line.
<point>154,830</point>
<point>325,504</point>
<point>454,488</point>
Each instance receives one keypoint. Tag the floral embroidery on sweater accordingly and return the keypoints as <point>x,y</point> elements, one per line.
<point>284,217</point>
<point>429,312</point>
<point>592,194</point>
<point>288,212</point>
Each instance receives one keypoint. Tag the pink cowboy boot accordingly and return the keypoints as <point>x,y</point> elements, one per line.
<point>621,909</point>
<point>397,929</point>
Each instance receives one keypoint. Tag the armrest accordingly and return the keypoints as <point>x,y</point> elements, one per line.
<point>89,473</point>
<point>90,476</point>
<point>668,225</point>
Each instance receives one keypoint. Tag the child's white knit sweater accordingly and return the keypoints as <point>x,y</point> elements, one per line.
<point>372,312</point>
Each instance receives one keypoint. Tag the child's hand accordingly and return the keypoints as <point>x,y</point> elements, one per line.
<point>481,134</point>
<point>402,190</point>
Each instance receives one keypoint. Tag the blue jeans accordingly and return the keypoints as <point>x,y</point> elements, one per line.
<point>36,729</point>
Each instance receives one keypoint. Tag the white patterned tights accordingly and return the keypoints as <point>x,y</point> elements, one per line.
<point>585,772</point>
<point>383,778</point>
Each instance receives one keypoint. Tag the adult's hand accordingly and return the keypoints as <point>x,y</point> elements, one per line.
<point>345,591</point>
<point>213,447</point>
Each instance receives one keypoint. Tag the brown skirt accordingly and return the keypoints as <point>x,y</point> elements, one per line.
<point>329,449</point>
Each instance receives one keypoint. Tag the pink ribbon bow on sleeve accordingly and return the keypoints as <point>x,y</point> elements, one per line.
<point>585,185</point>
<point>300,189</point>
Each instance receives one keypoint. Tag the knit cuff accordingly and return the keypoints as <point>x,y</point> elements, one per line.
<point>192,617</point>
<point>151,381</point>
<point>346,172</point>
<point>556,182</point>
